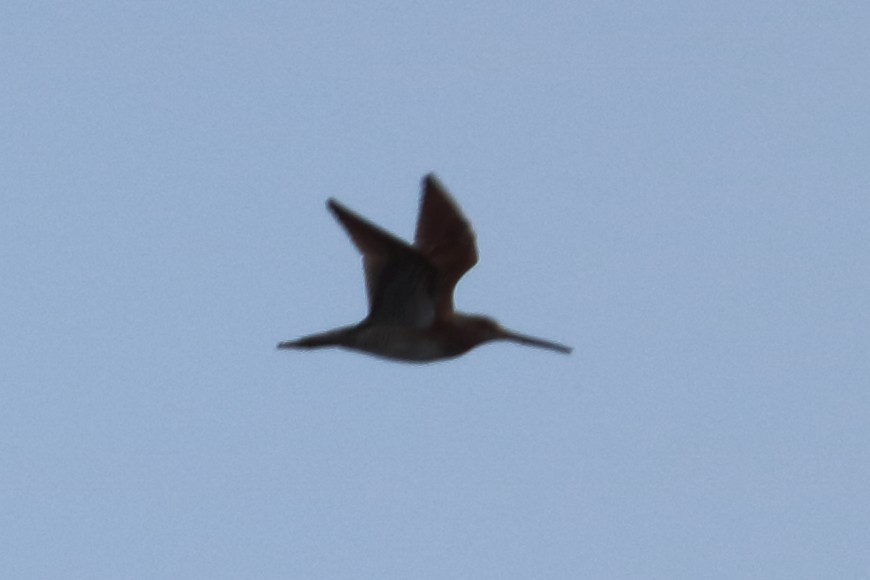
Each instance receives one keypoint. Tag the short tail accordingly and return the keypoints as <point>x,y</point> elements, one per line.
<point>322,340</point>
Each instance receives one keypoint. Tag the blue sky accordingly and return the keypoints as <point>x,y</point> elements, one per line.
<point>679,190</point>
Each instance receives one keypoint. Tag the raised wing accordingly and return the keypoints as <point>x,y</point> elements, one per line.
<point>400,282</point>
<point>445,238</point>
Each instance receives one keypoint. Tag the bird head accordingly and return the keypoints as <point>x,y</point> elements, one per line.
<point>482,329</point>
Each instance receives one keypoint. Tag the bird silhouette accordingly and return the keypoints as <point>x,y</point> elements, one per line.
<point>410,288</point>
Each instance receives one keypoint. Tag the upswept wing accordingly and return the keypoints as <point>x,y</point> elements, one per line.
<point>400,282</point>
<point>445,238</point>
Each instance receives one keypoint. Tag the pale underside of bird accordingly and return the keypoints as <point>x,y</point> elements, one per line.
<point>410,288</point>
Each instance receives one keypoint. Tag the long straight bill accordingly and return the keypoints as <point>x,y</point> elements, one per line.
<point>538,342</point>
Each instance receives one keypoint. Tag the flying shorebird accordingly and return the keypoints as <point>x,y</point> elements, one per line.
<point>410,288</point>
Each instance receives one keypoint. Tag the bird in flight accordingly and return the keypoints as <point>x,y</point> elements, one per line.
<point>410,288</point>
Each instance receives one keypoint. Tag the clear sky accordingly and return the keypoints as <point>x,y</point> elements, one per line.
<point>680,190</point>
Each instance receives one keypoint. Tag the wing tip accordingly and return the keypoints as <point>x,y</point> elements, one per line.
<point>430,180</point>
<point>336,208</point>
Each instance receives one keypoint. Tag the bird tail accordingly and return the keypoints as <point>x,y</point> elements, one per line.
<point>324,339</point>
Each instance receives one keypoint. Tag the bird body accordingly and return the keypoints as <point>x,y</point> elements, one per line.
<point>410,288</point>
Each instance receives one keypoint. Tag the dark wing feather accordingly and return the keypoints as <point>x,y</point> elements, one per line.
<point>400,282</point>
<point>445,238</point>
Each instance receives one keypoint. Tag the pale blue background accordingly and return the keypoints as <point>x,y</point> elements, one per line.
<point>680,190</point>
